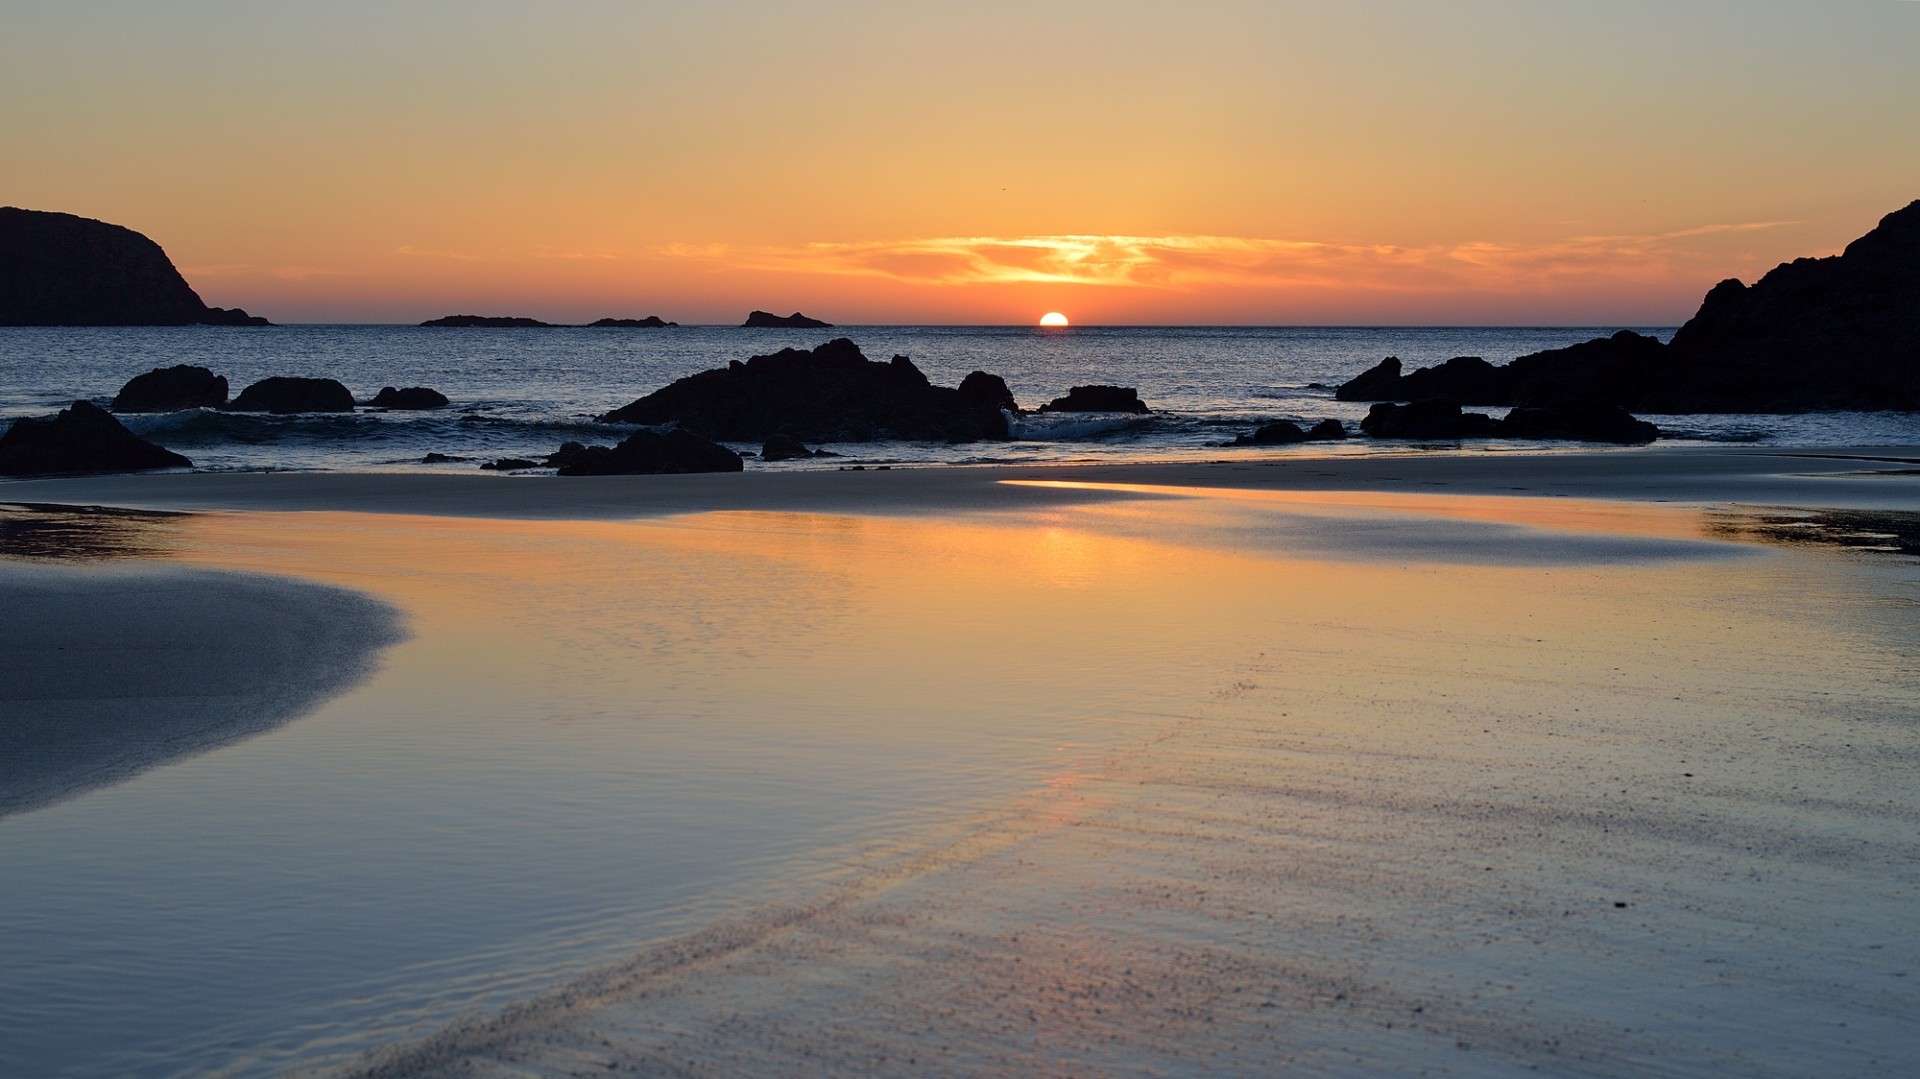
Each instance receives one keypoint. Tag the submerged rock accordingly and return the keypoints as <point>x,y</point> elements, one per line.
<point>411,399</point>
<point>789,448</point>
<point>1098,399</point>
<point>62,270</point>
<point>1286,433</point>
<point>1442,420</point>
<point>1578,423</point>
<point>1431,419</point>
<point>832,393</point>
<point>172,389</point>
<point>765,320</point>
<point>82,438</point>
<point>647,453</point>
<point>285,394</point>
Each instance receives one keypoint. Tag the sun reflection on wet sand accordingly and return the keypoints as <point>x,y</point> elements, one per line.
<point>1386,813</point>
<point>1207,782</point>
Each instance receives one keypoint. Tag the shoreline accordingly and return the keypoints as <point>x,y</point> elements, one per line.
<point>1863,478</point>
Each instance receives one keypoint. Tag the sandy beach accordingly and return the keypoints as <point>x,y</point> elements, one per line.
<point>1582,762</point>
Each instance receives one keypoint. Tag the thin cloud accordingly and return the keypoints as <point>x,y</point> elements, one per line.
<point>1185,263</point>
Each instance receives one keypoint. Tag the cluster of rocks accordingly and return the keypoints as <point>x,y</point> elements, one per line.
<point>831,393</point>
<point>183,386</point>
<point>87,438</point>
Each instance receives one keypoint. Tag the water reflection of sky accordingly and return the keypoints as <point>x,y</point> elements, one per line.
<point>85,533</point>
<point>605,732</point>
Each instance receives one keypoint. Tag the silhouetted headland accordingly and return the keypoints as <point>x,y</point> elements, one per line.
<point>61,270</point>
<point>1841,332</point>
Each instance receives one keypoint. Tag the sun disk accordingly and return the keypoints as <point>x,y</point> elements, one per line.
<point>1053,318</point>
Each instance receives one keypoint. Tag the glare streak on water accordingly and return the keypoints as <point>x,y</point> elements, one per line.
<point>523,392</point>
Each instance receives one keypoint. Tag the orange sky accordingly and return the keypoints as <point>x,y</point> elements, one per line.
<point>1522,161</point>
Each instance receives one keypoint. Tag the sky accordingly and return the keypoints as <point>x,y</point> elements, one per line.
<point>1282,162</point>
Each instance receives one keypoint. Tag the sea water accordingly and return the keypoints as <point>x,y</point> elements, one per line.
<point>523,392</point>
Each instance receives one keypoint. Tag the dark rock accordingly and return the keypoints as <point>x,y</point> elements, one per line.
<point>488,322</point>
<point>1604,371</point>
<point>651,322</point>
<point>284,394</point>
<point>832,393</point>
<point>62,270</point>
<point>1287,433</point>
<point>764,320</point>
<point>980,388</point>
<point>171,389</point>
<point>786,448</point>
<point>1428,420</point>
<point>443,459</point>
<point>230,316</point>
<point>1439,419</point>
<point>515,464</point>
<point>82,438</point>
<point>1833,333</point>
<point>647,453</point>
<point>1277,433</point>
<point>413,398</point>
<point>1381,382</point>
<point>1578,423</point>
<point>1098,399</point>
<point>1608,370</point>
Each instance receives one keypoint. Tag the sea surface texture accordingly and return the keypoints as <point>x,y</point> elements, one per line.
<point>521,393</point>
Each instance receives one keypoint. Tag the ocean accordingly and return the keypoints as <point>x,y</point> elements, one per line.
<point>521,393</point>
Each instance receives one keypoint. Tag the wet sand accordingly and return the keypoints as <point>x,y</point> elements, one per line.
<point>1456,765</point>
<point>1864,477</point>
<point>110,672</point>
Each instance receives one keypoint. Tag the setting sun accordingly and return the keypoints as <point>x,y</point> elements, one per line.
<point>1053,318</point>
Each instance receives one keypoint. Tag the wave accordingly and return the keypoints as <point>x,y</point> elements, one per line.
<point>208,427</point>
<point>1075,426</point>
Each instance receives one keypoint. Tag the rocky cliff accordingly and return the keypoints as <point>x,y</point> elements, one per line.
<point>62,270</point>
